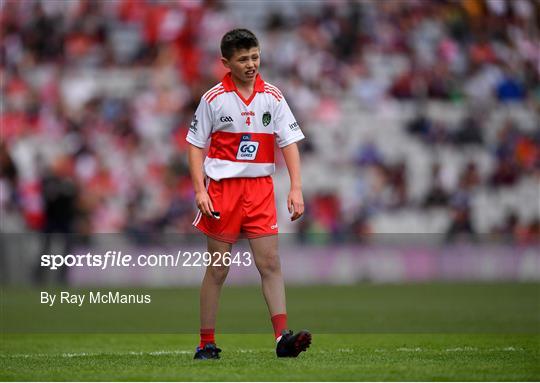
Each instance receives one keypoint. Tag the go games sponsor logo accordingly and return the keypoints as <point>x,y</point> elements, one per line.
<point>247,151</point>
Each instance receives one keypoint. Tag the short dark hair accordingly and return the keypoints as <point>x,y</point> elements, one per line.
<point>237,39</point>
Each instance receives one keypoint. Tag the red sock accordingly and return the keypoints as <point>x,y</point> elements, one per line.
<point>279,322</point>
<point>207,336</point>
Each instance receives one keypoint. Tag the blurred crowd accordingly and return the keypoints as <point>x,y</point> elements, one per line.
<point>97,97</point>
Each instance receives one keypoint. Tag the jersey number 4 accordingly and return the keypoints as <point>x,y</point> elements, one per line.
<point>248,121</point>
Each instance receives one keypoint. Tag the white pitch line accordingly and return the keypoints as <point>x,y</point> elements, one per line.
<point>460,349</point>
<point>455,349</point>
<point>243,351</point>
<point>416,349</point>
<point>510,348</point>
<point>84,354</point>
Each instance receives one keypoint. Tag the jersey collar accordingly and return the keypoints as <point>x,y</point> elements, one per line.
<point>229,86</point>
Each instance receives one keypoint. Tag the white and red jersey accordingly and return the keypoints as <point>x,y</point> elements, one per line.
<point>242,132</point>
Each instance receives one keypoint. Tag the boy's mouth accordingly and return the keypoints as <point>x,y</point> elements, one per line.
<point>250,72</point>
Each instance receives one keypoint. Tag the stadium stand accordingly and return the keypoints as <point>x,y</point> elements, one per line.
<point>420,117</point>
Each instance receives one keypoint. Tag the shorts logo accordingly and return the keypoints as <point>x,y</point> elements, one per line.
<point>193,126</point>
<point>226,119</point>
<point>247,150</point>
<point>266,118</point>
<point>273,227</point>
<point>294,126</point>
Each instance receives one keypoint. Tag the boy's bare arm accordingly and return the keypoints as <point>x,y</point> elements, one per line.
<point>196,156</point>
<point>295,200</point>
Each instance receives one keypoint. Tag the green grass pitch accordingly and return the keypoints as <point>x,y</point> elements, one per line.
<point>424,332</point>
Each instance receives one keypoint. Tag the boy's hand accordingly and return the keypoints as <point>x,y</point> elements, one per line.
<point>204,203</point>
<point>295,203</point>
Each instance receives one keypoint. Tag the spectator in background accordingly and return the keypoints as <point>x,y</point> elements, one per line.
<point>368,154</point>
<point>508,231</point>
<point>510,88</point>
<point>429,130</point>
<point>420,125</point>
<point>60,197</point>
<point>506,140</point>
<point>470,132</point>
<point>460,227</point>
<point>529,234</point>
<point>438,134</point>
<point>437,195</point>
<point>527,152</point>
<point>8,203</point>
<point>505,173</point>
<point>470,177</point>
<point>397,179</point>
<point>8,176</point>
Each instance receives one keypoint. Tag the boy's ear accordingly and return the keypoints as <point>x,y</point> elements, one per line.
<point>225,62</point>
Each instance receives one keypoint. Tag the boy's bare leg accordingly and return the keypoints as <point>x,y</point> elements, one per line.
<point>211,284</point>
<point>265,254</point>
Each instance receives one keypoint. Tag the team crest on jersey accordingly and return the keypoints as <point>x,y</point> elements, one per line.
<point>266,118</point>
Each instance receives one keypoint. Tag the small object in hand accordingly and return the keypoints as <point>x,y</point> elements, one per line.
<point>216,214</point>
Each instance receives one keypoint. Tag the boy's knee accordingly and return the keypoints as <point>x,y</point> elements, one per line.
<point>270,264</point>
<point>217,273</point>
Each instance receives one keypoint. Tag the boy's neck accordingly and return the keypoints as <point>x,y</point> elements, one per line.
<point>244,87</point>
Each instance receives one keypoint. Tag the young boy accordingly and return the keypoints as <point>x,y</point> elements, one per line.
<point>241,115</point>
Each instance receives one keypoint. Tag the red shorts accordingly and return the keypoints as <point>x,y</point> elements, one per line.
<point>245,206</point>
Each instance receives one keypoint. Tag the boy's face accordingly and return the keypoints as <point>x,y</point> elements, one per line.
<point>244,64</point>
